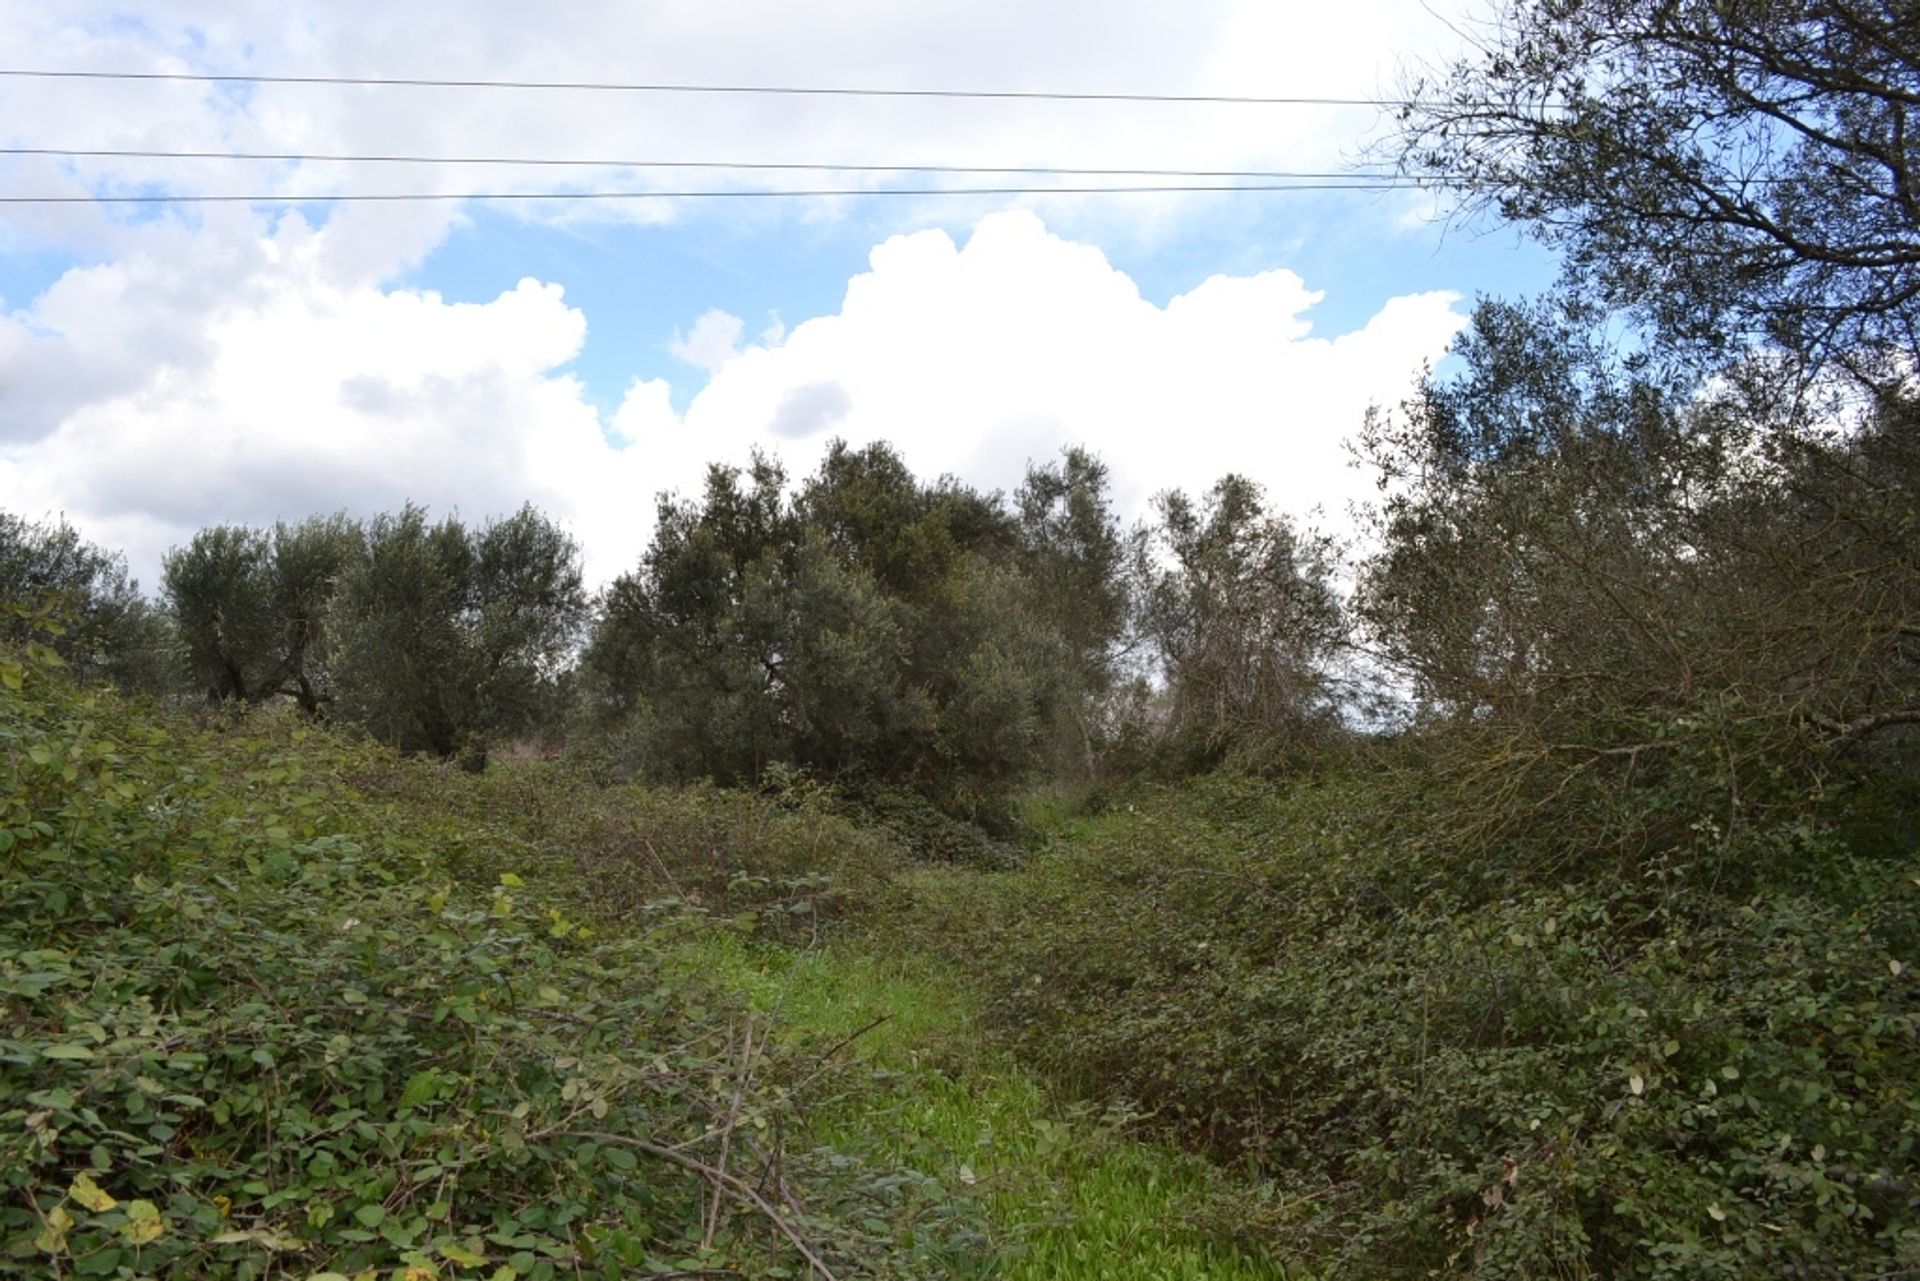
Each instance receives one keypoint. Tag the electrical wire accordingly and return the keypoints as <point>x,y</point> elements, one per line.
<point>601,86</point>
<point>186,198</point>
<point>123,153</point>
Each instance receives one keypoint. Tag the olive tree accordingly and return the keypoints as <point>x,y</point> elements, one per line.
<point>104,627</point>
<point>251,605</point>
<point>1238,609</point>
<point>447,639</point>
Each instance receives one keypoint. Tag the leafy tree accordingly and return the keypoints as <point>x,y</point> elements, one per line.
<point>867,628</point>
<point>251,607</point>
<point>449,639</point>
<point>1729,170</point>
<point>692,644</point>
<point>1598,576</point>
<point>1237,607</point>
<point>1675,587</point>
<point>107,629</point>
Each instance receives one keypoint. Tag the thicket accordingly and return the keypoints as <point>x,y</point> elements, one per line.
<point>273,1005</point>
<point>889,636</point>
<point>1597,964</point>
<point>1464,1058</point>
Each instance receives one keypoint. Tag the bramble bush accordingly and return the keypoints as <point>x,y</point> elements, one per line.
<point>257,1024</point>
<point>1699,1062</point>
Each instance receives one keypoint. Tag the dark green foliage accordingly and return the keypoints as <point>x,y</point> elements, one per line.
<point>929,833</point>
<point>1578,557</point>
<point>1076,555</point>
<point>447,639</point>
<point>1447,1059</point>
<point>251,607</point>
<point>868,628</point>
<point>107,630</point>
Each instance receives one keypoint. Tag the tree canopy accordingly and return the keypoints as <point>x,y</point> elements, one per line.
<point>251,606</point>
<point>449,638</point>
<point>1729,171</point>
<point>106,628</point>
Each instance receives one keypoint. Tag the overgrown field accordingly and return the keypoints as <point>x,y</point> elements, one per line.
<point>282,1004</point>
<point>1700,1062</point>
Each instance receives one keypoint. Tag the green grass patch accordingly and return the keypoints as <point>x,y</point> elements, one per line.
<point>1067,1194</point>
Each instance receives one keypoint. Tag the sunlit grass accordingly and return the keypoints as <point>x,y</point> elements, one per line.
<point>1067,1196</point>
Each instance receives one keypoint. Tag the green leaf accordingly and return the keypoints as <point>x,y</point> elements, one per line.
<point>422,1087</point>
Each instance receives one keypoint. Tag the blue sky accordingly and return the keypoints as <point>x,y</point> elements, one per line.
<point>639,285</point>
<point>175,366</point>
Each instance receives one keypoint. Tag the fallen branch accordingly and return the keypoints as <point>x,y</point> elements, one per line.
<point>720,1178</point>
<point>1847,733</point>
<point>838,1046</point>
<point>726,1131</point>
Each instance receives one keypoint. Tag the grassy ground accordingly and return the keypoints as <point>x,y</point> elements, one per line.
<point>1067,1196</point>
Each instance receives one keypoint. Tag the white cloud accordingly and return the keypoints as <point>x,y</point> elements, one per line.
<point>254,372</point>
<point>978,359</point>
<point>1247,47</point>
<point>714,340</point>
<point>213,363</point>
<point>256,377</point>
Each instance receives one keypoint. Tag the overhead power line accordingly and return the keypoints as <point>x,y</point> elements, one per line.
<point>267,198</point>
<point>825,91</point>
<point>1060,171</point>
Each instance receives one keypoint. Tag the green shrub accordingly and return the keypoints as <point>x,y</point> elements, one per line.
<point>929,832</point>
<point>261,1014</point>
<point>1700,1063</point>
<point>788,860</point>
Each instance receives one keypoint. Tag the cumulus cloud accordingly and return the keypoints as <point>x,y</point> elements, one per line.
<point>291,384</point>
<point>979,358</point>
<point>281,384</point>
<point>808,410</point>
<point>713,341</point>
<point>217,363</point>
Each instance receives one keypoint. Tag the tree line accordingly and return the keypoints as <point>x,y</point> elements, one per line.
<point>861,625</point>
<point>1678,489</point>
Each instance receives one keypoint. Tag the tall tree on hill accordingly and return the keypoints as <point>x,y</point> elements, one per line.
<point>449,639</point>
<point>1237,606</point>
<point>1077,560</point>
<point>106,628</point>
<point>1076,554</point>
<point>251,607</point>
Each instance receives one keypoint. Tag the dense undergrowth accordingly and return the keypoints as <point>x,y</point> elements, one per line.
<point>278,1003</point>
<point>1699,1063</point>
<point>281,1005</point>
